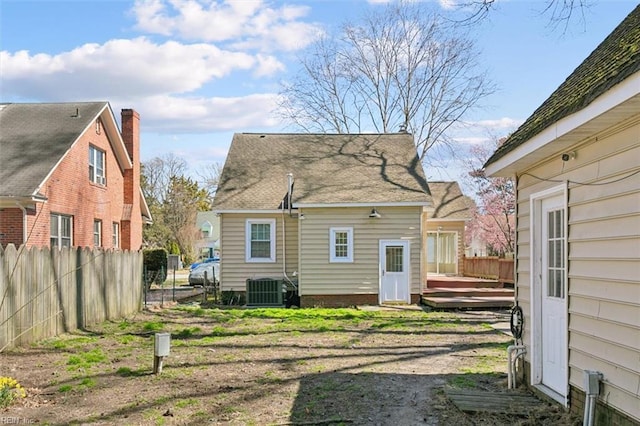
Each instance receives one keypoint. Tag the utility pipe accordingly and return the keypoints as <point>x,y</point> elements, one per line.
<point>284,235</point>
<point>592,390</point>
<point>24,222</point>
<point>519,350</point>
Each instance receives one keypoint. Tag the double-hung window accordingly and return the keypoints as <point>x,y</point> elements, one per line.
<point>96,166</point>
<point>97,233</point>
<point>61,230</point>
<point>116,234</point>
<point>260,240</point>
<point>341,244</point>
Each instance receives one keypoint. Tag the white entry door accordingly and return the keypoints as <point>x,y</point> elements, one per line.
<point>550,293</point>
<point>394,271</point>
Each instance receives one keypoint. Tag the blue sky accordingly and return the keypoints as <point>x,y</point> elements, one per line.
<point>199,70</point>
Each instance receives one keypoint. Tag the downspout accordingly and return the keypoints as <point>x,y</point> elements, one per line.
<point>24,222</point>
<point>284,235</point>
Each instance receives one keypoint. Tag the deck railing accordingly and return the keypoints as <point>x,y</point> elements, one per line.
<point>490,267</point>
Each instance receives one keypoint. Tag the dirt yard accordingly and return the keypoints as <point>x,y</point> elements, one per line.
<point>267,367</point>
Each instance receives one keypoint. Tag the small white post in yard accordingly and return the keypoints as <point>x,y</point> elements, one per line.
<point>162,343</point>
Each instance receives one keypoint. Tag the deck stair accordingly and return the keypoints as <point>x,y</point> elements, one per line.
<point>445,292</point>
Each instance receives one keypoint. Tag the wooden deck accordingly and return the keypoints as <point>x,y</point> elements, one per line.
<point>444,292</point>
<point>514,403</point>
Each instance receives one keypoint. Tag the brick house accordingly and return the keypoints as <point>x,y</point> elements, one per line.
<point>70,177</point>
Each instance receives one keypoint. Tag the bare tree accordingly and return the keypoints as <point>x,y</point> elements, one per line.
<point>157,174</point>
<point>174,200</point>
<point>209,177</point>
<point>184,199</point>
<point>560,12</point>
<point>400,68</point>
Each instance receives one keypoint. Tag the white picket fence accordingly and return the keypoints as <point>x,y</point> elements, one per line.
<point>45,292</point>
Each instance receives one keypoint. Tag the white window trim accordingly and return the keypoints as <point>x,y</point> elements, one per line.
<point>115,229</point>
<point>272,237</point>
<point>94,176</point>
<point>58,217</point>
<point>332,245</point>
<point>97,232</point>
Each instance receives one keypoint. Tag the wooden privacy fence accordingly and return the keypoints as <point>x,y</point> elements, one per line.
<point>45,292</point>
<point>490,267</point>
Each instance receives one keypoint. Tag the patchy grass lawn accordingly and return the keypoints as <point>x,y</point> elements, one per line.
<point>262,367</point>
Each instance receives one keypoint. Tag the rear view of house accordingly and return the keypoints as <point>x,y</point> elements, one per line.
<point>576,162</point>
<point>70,177</point>
<point>339,216</point>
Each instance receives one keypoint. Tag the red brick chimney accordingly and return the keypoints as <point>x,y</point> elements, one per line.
<point>131,232</point>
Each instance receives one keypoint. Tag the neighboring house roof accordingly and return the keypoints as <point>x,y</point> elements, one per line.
<point>209,220</point>
<point>614,60</point>
<point>449,202</point>
<point>36,137</point>
<point>327,169</point>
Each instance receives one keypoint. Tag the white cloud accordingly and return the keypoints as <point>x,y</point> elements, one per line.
<point>247,23</point>
<point>136,67</point>
<point>167,114</point>
<point>448,4</point>
<point>506,123</point>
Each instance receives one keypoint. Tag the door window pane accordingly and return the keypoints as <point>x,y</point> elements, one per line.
<point>394,259</point>
<point>555,254</point>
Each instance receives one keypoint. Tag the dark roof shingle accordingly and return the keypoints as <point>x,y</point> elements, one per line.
<point>449,202</point>
<point>34,137</point>
<point>327,169</point>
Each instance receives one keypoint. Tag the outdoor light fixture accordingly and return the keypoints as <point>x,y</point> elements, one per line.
<point>374,214</point>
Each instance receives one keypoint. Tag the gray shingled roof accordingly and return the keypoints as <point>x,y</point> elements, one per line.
<point>615,59</point>
<point>327,169</point>
<point>449,202</point>
<point>34,137</point>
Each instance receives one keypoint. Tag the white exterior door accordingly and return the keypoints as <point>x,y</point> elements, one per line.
<point>394,271</point>
<point>549,314</point>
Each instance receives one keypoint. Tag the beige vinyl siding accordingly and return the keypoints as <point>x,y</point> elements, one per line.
<point>604,258</point>
<point>318,276</point>
<point>450,226</point>
<point>235,269</point>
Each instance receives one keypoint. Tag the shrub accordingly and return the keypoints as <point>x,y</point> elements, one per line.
<point>230,297</point>
<point>155,266</point>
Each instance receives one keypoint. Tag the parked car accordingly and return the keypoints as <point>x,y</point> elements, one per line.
<point>207,260</point>
<point>212,268</point>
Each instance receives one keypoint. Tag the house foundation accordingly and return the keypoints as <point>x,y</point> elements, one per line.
<point>605,415</point>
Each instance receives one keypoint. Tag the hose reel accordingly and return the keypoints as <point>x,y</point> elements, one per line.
<point>517,322</point>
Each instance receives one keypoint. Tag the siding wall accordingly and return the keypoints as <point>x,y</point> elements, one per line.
<point>320,277</point>
<point>604,260</point>
<point>317,276</point>
<point>234,269</point>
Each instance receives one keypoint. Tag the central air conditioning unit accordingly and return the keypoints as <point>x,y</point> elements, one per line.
<point>265,292</point>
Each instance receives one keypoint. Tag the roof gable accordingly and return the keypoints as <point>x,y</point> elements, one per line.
<point>613,61</point>
<point>327,169</point>
<point>36,137</point>
<point>449,202</point>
